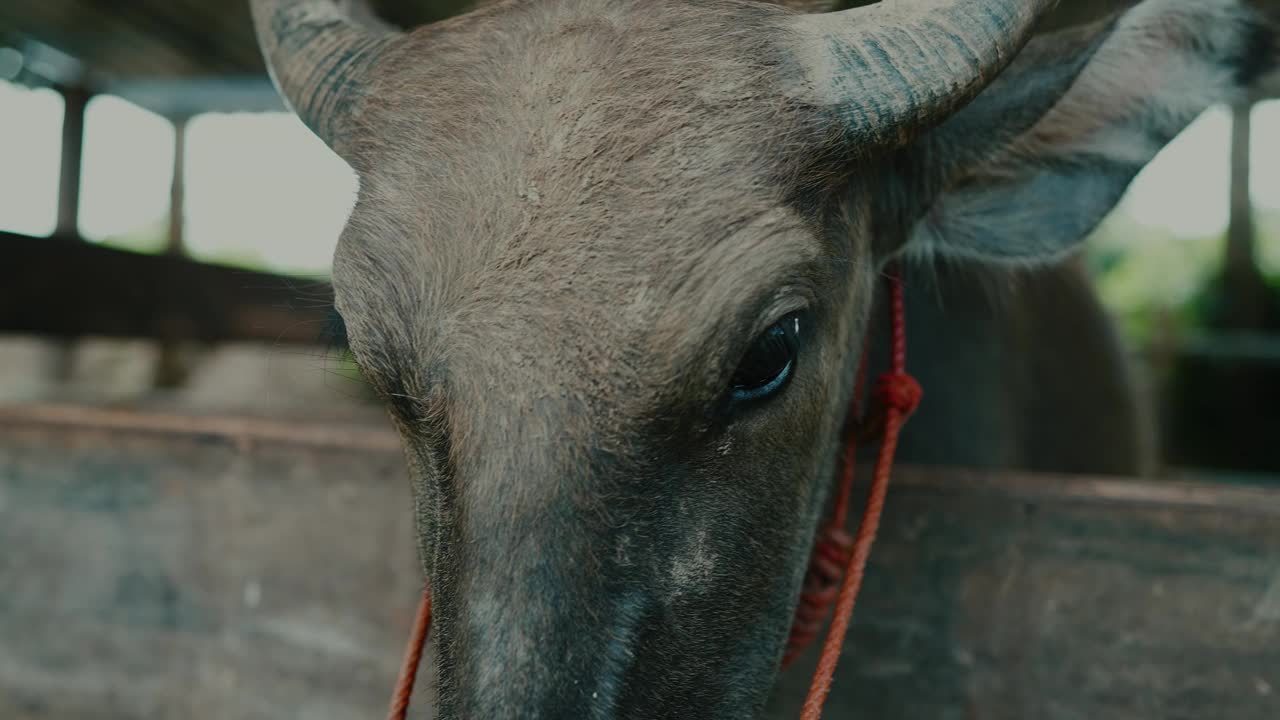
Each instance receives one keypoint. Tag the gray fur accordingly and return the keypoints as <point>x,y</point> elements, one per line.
<point>574,218</point>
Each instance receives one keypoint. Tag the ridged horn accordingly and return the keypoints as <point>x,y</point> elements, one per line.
<point>318,53</point>
<point>891,70</point>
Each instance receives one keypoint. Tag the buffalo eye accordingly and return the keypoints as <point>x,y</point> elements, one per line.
<point>770,362</point>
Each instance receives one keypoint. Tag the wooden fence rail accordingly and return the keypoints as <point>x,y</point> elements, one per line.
<point>167,566</point>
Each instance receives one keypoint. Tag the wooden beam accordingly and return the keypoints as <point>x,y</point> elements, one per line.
<point>180,97</point>
<point>65,287</point>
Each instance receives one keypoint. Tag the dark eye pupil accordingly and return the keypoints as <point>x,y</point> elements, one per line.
<point>769,363</point>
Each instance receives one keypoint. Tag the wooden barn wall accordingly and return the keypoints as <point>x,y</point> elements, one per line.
<point>163,567</point>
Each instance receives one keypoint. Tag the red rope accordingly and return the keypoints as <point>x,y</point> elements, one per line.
<point>412,657</point>
<point>835,554</point>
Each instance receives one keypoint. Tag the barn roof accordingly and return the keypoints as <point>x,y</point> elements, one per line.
<point>182,56</point>
<point>149,39</point>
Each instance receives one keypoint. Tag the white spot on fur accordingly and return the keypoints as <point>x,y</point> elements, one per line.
<point>692,570</point>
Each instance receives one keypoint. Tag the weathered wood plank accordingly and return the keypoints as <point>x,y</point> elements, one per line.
<point>1059,599</point>
<point>155,567</point>
<point>200,574</point>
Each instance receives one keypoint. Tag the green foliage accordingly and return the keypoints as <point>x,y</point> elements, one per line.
<point>1156,282</point>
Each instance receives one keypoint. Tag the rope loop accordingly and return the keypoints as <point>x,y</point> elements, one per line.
<point>821,586</point>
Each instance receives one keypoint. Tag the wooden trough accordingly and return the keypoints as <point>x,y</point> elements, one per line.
<point>162,567</point>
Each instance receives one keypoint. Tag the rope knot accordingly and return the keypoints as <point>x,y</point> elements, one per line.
<point>900,391</point>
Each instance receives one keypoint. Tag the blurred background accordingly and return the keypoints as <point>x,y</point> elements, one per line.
<point>166,230</point>
<point>168,226</point>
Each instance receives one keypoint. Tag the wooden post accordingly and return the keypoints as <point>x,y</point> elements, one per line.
<point>176,244</point>
<point>76,98</point>
<point>170,370</point>
<point>1244,289</point>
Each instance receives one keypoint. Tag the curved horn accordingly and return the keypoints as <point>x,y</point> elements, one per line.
<point>893,69</point>
<point>318,53</point>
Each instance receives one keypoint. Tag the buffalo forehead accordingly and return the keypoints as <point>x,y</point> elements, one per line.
<point>542,188</point>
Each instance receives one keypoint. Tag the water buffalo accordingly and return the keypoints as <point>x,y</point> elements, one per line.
<point>612,264</point>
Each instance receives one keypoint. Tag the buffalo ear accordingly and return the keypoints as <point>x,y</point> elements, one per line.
<point>1028,170</point>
